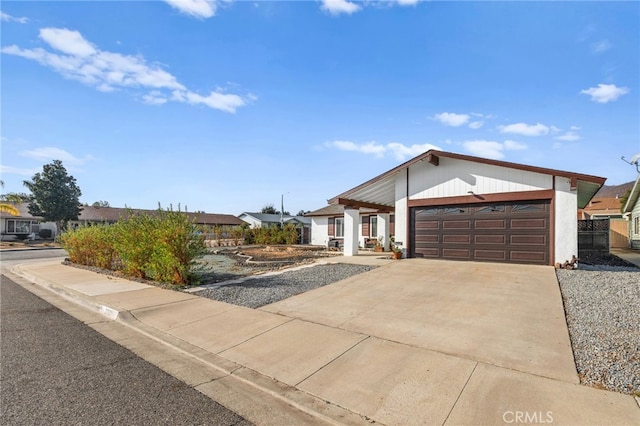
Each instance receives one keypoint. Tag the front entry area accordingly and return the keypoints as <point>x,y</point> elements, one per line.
<point>517,232</point>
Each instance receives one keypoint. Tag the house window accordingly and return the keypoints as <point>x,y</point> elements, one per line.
<point>339,227</point>
<point>636,226</point>
<point>19,226</point>
<point>373,227</point>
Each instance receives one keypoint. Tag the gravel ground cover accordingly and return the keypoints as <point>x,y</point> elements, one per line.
<point>602,306</point>
<point>263,290</point>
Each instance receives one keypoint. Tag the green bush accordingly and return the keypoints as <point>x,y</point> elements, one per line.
<point>161,247</point>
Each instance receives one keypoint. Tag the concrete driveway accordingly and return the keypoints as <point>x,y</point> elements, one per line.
<point>509,316</point>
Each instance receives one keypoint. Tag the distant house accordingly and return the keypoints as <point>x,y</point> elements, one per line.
<point>12,227</point>
<point>632,208</point>
<point>598,208</point>
<point>25,223</point>
<point>264,220</point>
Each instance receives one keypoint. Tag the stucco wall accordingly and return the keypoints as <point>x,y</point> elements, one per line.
<point>402,229</point>
<point>566,223</point>
<point>319,231</point>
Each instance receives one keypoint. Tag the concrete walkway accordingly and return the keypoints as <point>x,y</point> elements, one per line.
<point>411,342</point>
<point>627,254</point>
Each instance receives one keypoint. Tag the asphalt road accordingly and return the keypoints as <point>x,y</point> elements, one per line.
<point>55,370</point>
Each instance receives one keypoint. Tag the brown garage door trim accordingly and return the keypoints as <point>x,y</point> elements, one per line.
<point>546,194</point>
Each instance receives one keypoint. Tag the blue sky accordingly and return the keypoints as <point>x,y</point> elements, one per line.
<point>223,106</point>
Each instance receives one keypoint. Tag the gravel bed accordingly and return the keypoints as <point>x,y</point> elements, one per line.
<point>260,291</point>
<point>602,305</point>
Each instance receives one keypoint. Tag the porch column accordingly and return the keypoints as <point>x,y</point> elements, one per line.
<point>384,230</point>
<point>351,219</point>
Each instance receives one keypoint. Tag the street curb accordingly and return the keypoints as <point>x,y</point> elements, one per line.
<point>2,250</point>
<point>68,294</point>
<point>305,402</point>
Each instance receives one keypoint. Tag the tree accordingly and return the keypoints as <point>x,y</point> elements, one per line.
<point>8,208</point>
<point>303,212</point>
<point>101,204</point>
<point>269,209</point>
<point>56,196</point>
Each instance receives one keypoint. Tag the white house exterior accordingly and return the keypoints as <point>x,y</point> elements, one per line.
<point>453,206</point>
<point>632,208</point>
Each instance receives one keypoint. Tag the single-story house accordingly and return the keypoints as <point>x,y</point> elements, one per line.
<point>264,220</point>
<point>26,223</point>
<point>459,207</point>
<point>632,208</point>
<point>599,208</point>
<point>23,224</point>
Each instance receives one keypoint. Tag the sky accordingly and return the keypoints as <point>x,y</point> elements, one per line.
<point>229,106</point>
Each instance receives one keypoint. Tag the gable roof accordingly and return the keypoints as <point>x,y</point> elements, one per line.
<point>335,210</point>
<point>604,204</point>
<point>275,218</point>
<point>381,189</point>
<point>113,214</point>
<point>633,197</point>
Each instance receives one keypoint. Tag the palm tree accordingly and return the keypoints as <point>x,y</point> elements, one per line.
<point>8,208</point>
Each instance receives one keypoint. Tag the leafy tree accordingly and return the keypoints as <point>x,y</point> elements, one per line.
<point>303,212</point>
<point>101,204</point>
<point>56,196</point>
<point>624,199</point>
<point>269,209</point>
<point>16,197</point>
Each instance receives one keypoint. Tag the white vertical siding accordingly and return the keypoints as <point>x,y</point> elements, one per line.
<point>319,231</point>
<point>566,221</point>
<point>401,225</point>
<point>634,233</point>
<point>455,177</point>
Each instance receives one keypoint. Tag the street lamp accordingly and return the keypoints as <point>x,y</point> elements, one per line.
<point>282,210</point>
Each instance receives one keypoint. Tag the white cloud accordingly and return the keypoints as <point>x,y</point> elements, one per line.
<point>10,170</point>
<point>8,18</point>
<point>154,97</point>
<point>408,2</point>
<point>108,71</point>
<point>52,153</point>
<point>402,152</point>
<point>451,119</point>
<point>568,136</point>
<point>525,129</point>
<point>574,128</point>
<point>476,124</point>
<point>605,92</point>
<point>398,150</point>
<point>483,148</point>
<point>492,149</point>
<point>336,7</point>
<point>601,46</point>
<point>67,41</point>
<point>195,8</point>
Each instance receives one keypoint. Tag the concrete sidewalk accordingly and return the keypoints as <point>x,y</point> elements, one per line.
<point>338,374</point>
<point>628,254</point>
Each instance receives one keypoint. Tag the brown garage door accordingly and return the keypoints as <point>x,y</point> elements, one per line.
<point>495,232</point>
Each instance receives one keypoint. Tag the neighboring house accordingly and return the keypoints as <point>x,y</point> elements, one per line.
<point>459,207</point>
<point>599,208</point>
<point>264,220</point>
<point>327,226</point>
<point>608,208</point>
<point>24,224</point>
<point>632,208</point>
<point>12,225</point>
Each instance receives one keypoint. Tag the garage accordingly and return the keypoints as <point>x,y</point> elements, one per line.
<point>497,232</point>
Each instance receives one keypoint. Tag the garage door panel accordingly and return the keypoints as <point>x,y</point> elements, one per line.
<point>527,256</point>
<point>537,240</point>
<point>528,223</point>
<point>456,224</point>
<point>490,224</point>
<point>456,239</point>
<point>491,255</point>
<point>497,232</point>
<point>490,239</point>
<point>460,253</point>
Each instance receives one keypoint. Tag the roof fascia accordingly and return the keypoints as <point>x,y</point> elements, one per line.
<point>633,196</point>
